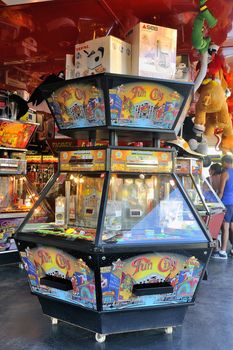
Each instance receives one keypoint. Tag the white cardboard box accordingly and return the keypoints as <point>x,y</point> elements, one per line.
<point>105,54</point>
<point>153,50</point>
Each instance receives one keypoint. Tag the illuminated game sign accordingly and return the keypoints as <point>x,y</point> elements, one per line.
<point>181,273</point>
<point>14,134</point>
<point>77,105</point>
<point>83,160</point>
<point>144,105</point>
<point>189,166</point>
<point>47,263</point>
<point>141,161</point>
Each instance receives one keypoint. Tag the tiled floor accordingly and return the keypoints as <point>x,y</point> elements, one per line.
<point>208,325</point>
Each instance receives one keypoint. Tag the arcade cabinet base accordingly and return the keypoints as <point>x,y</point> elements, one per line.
<point>214,222</point>
<point>9,257</point>
<point>111,322</point>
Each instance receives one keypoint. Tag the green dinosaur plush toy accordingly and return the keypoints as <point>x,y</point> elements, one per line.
<point>207,15</point>
<point>200,42</point>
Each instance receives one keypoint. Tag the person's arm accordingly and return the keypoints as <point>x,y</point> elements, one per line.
<point>223,179</point>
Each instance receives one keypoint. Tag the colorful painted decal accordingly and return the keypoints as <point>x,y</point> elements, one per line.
<point>83,160</point>
<point>189,166</point>
<point>181,273</point>
<point>8,227</point>
<point>15,134</point>
<point>137,160</point>
<point>71,233</point>
<point>78,106</point>
<point>44,261</point>
<point>144,105</point>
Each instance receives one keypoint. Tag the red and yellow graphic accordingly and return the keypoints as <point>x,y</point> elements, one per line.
<point>140,160</point>
<point>189,166</point>
<point>83,160</point>
<point>56,262</point>
<point>15,134</point>
<point>145,105</point>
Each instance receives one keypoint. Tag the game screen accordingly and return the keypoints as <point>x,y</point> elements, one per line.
<point>15,134</point>
<point>74,200</point>
<point>148,208</point>
<point>144,105</point>
<point>78,105</point>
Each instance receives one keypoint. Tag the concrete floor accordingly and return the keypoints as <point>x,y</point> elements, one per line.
<point>208,325</point>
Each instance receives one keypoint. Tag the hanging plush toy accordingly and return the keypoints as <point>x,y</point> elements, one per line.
<point>200,41</point>
<point>211,107</point>
<point>196,139</point>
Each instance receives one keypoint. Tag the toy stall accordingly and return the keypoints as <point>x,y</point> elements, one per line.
<point>124,248</point>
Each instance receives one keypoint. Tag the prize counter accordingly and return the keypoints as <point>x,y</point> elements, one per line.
<point>201,193</point>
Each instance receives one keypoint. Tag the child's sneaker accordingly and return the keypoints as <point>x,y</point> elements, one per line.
<point>219,255</point>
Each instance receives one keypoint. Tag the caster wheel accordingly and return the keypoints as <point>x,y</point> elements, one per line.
<point>21,266</point>
<point>168,330</point>
<point>54,320</point>
<point>100,338</point>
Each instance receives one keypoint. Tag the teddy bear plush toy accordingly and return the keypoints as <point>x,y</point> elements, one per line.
<point>211,107</point>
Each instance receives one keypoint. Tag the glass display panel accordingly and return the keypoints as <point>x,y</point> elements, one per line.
<point>78,105</point>
<point>16,200</point>
<point>192,192</point>
<point>145,105</point>
<point>15,195</point>
<point>148,208</point>
<point>74,200</point>
<point>211,198</point>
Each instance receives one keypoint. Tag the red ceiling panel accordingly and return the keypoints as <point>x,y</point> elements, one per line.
<point>36,37</point>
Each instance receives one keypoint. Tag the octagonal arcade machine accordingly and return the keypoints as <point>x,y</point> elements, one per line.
<point>124,248</point>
